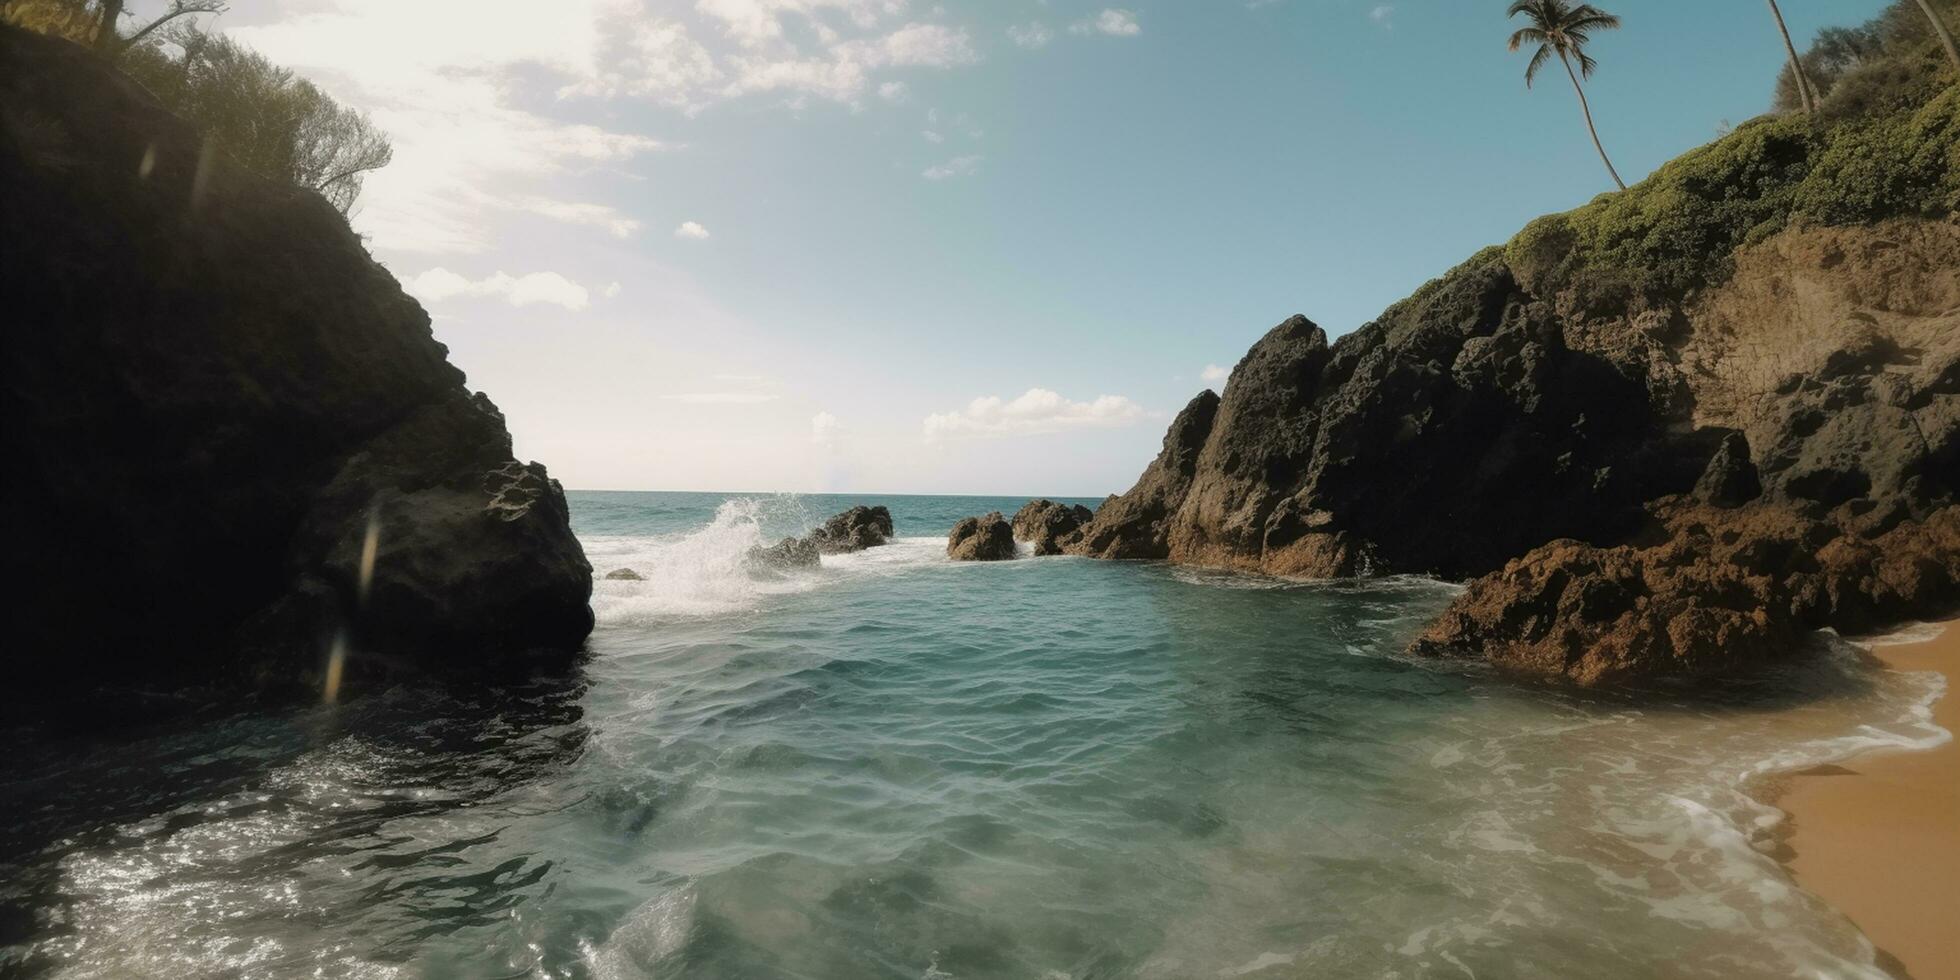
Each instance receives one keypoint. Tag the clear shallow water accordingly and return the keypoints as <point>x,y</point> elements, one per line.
<point>902,767</point>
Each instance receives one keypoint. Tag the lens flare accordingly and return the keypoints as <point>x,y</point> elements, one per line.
<point>336,662</point>
<point>370,544</point>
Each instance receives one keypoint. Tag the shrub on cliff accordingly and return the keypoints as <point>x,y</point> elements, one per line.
<point>1672,233</point>
<point>261,115</point>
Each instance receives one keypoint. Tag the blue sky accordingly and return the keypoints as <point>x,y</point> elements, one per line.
<point>880,245</point>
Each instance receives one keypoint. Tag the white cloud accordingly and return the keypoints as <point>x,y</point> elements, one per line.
<point>722,397</point>
<point>439,284</point>
<point>1114,22</point>
<point>1213,374</point>
<point>1037,411</point>
<point>691,229</point>
<point>956,167</point>
<point>595,215</point>
<point>611,291</point>
<point>438,78</point>
<point>823,429</point>
<point>463,88</point>
<point>841,70</point>
<point>1033,34</point>
<point>1383,14</point>
<point>932,136</point>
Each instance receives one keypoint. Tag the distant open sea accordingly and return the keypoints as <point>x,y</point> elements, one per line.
<point>898,766</point>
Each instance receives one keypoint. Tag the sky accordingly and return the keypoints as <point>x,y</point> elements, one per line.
<point>957,247</point>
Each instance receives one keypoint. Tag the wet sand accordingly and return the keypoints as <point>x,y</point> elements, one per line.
<point>1879,836</point>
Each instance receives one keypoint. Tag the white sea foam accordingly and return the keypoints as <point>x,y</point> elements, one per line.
<point>703,572</point>
<point>1909,633</point>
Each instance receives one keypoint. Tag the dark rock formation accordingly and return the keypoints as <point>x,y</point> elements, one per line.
<point>985,538</point>
<point>787,554</point>
<point>624,575</point>
<point>1817,387</point>
<point>1730,478</point>
<point>854,530</point>
<point>1136,524</point>
<point>211,387</point>
<point>1048,525</point>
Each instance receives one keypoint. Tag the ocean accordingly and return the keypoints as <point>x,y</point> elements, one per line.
<point>898,766</point>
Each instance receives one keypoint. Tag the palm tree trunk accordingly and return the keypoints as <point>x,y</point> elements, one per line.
<point>1590,128</point>
<point>1805,93</point>
<point>1939,28</point>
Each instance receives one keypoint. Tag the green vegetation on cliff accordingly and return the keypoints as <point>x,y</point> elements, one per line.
<point>263,116</point>
<point>1885,144</point>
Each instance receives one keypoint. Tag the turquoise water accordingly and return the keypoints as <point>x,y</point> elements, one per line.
<point>897,766</point>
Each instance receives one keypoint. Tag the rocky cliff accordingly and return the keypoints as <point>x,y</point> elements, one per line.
<point>231,437</point>
<point>1665,433</point>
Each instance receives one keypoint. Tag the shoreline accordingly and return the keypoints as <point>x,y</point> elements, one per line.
<point>1877,836</point>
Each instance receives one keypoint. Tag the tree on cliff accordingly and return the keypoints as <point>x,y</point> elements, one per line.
<point>1559,28</point>
<point>95,23</point>
<point>1940,31</point>
<point>256,112</point>
<point>1868,55</point>
<point>1806,93</point>
<point>109,38</point>
<point>262,115</point>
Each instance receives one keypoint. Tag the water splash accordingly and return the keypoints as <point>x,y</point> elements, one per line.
<point>703,572</point>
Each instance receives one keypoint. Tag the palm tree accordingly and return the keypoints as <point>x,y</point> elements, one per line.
<point>1805,93</point>
<point>1559,28</point>
<point>1939,28</point>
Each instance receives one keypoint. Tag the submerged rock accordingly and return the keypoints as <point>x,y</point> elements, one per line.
<point>624,575</point>
<point>211,386</point>
<point>789,553</point>
<point>1049,525</point>
<point>985,538</point>
<point>854,530</point>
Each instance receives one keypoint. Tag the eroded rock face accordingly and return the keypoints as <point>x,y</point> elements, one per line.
<point>985,538</point>
<point>1717,589</point>
<point>1481,420</point>
<point>1048,525</point>
<point>212,387</point>
<point>854,530</point>
<point>1136,524</point>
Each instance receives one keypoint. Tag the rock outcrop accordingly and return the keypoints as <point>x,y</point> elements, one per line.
<point>1666,434</point>
<point>787,554</point>
<point>212,387</point>
<point>985,538</point>
<point>1715,589</point>
<point>854,530</point>
<point>1049,526</point>
<point>1136,525</point>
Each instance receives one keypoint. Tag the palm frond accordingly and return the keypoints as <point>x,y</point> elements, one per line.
<point>1586,64</point>
<point>1537,61</point>
<point>1595,21</point>
<point>1528,35</point>
<point>1521,6</point>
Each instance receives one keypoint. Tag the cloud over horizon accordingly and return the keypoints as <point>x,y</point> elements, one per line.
<point>1037,411</point>
<point>440,284</point>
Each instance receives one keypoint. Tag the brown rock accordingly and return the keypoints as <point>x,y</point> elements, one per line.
<point>1049,525</point>
<point>985,538</point>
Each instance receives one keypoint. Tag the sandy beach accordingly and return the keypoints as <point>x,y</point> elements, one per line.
<point>1879,835</point>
